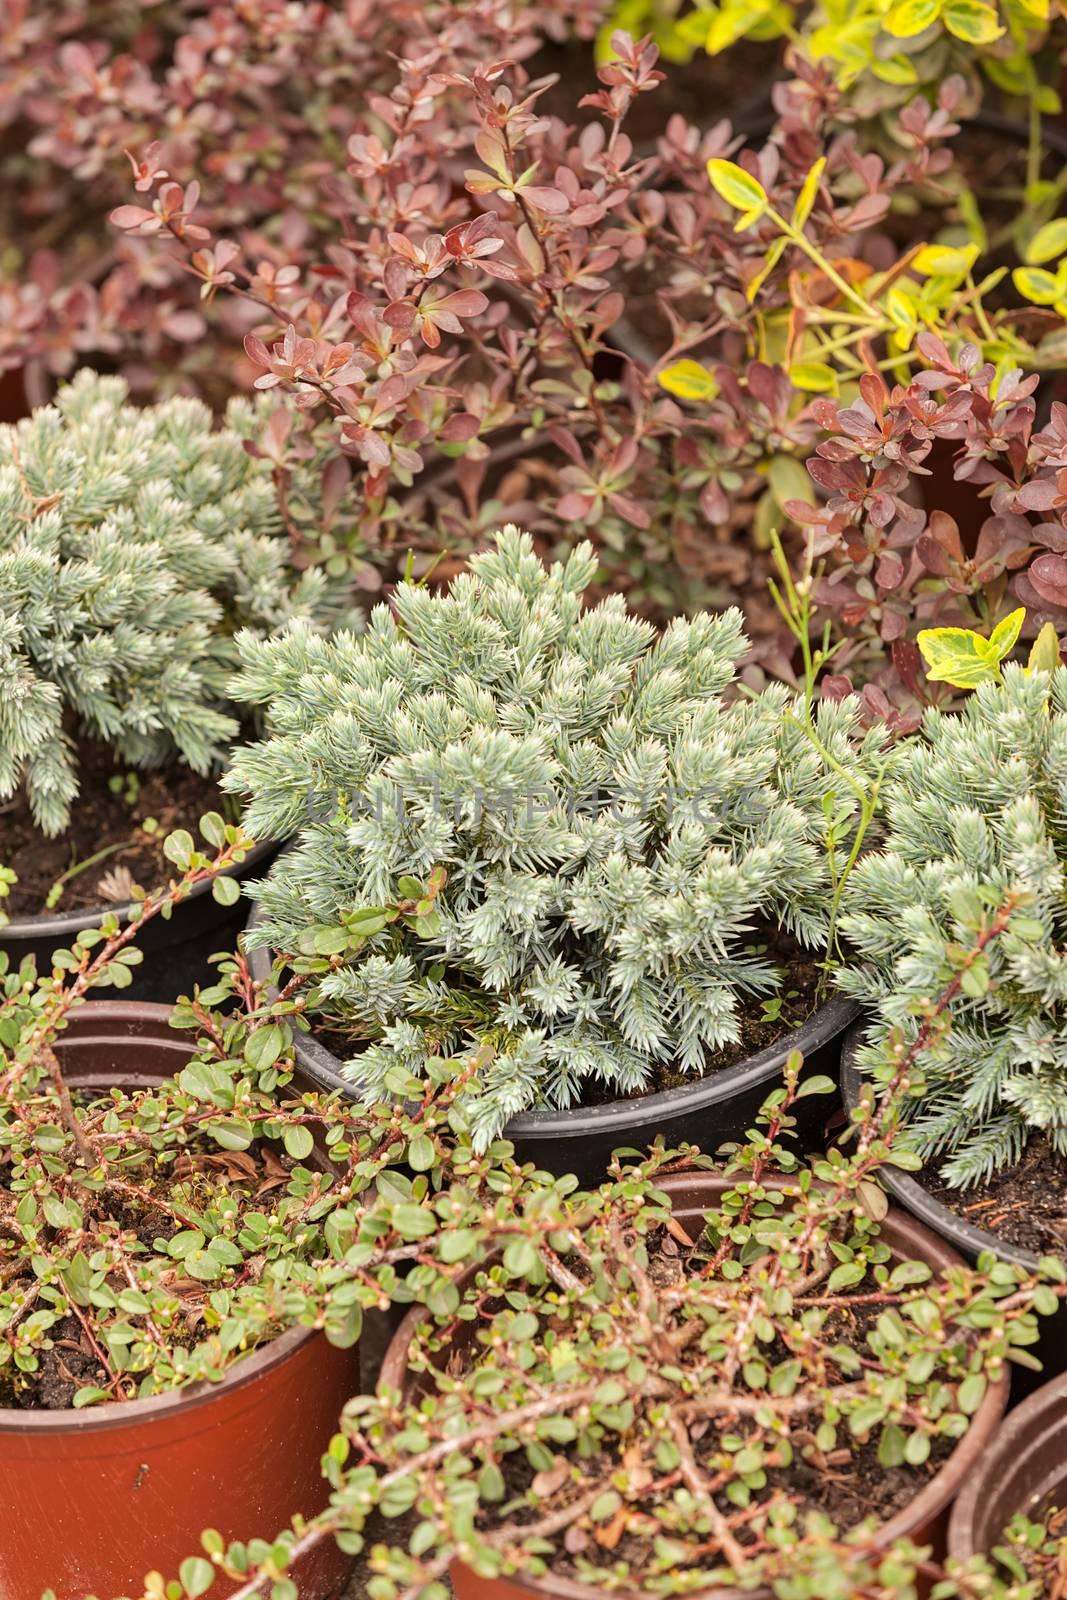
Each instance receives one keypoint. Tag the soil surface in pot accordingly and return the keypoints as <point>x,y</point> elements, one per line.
<point>102,819</point>
<point>800,999</point>
<point>1025,1205</point>
<point>249,1176</point>
<point>848,1484</point>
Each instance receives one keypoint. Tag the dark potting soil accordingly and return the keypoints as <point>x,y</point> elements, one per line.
<point>101,820</point>
<point>802,998</point>
<point>66,1361</point>
<point>1025,1205</point>
<point>848,1484</point>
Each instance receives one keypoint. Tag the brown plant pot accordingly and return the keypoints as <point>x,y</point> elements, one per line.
<point>21,390</point>
<point>1024,1470</point>
<point>105,1495</point>
<point>924,1521</point>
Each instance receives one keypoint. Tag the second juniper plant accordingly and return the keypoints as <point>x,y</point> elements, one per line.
<point>975,812</point>
<point>132,543</point>
<point>530,825</point>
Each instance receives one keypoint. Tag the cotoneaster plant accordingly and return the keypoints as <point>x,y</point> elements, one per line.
<point>629,1396</point>
<point>974,809</point>
<point>132,544</point>
<point>172,1229</point>
<point>538,827</point>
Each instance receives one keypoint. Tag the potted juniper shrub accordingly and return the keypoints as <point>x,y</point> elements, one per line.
<point>757,1380</point>
<point>134,543</point>
<point>525,824</point>
<point>972,809</point>
<point>189,1236</point>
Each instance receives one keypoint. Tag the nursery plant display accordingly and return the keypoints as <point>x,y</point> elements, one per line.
<point>590,866</point>
<point>188,1238</point>
<point>531,825</point>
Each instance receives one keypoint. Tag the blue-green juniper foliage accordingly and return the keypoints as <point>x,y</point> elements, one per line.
<point>977,811</point>
<point>132,544</point>
<point>616,832</point>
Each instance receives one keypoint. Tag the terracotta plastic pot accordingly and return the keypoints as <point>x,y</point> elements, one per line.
<point>924,1520</point>
<point>961,1234</point>
<point>97,1498</point>
<point>707,1112</point>
<point>1024,1470</point>
<point>175,952</point>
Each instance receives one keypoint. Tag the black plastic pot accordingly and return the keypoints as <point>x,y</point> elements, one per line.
<point>708,1112</point>
<point>175,951</point>
<point>963,1235</point>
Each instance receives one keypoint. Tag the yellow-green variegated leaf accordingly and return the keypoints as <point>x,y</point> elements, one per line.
<point>964,658</point>
<point>942,261</point>
<point>911,17</point>
<point>806,197</point>
<point>1002,639</point>
<point>902,310</point>
<point>1045,651</point>
<point>958,656</point>
<point>773,256</point>
<point>737,187</point>
<point>972,20</point>
<point>689,381</point>
<point>897,70</point>
<point>730,23</point>
<point>814,376</point>
<point>1048,243</point>
<point>1037,285</point>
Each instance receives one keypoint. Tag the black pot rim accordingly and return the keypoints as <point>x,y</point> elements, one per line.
<point>971,1241</point>
<point>617,1115</point>
<point>68,924</point>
